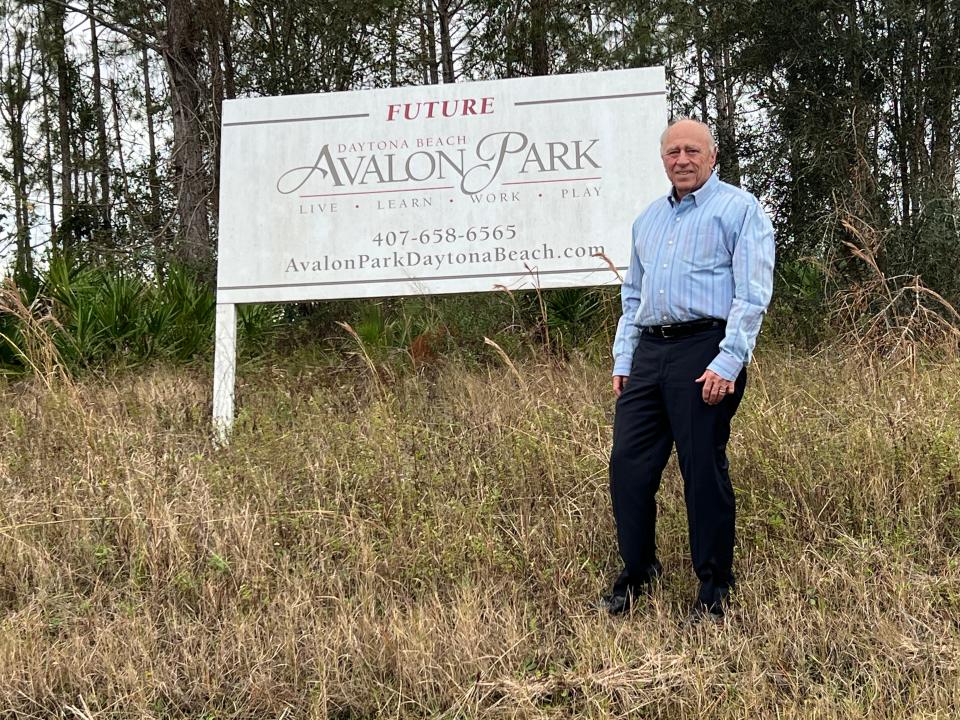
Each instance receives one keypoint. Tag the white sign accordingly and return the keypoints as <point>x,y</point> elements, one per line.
<point>514,184</point>
<point>437,189</point>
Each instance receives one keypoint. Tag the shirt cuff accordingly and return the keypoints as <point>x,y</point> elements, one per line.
<point>726,366</point>
<point>621,365</point>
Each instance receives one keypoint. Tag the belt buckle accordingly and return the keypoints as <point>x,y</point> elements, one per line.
<point>666,331</point>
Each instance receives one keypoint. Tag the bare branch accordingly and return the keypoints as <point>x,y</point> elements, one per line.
<point>128,32</point>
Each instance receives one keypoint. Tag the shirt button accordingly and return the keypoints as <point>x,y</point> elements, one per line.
<point>664,264</point>
<point>677,220</point>
<point>670,242</point>
<point>661,292</point>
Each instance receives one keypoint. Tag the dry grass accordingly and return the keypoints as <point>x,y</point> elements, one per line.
<point>433,550</point>
<point>35,345</point>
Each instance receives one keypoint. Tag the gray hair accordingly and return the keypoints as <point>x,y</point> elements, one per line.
<point>711,146</point>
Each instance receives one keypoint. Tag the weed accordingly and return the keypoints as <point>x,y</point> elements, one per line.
<point>432,547</point>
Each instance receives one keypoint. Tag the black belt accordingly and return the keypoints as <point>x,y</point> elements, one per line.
<point>683,329</point>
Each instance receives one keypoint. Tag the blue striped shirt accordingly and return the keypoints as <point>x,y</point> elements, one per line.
<point>709,255</point>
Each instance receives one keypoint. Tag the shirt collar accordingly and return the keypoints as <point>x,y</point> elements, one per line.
<point>699,195</point>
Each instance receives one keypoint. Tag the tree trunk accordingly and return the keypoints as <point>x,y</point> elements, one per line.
<point>24,266</point>
<point>446,48</point>
<point>16,97</point>
<point>914,121</point>
<point>895,60</point>
<point>431,40</point>
<point>103,160</point>
<point>942,95</point>
<point>80,189</point>
<point>58,58</point>
<point>862,162</point>
<point>394,45</point>
<point>229,71</point>
<point>724,91</point>
<point>153,216</point>
<point>214,17</point>
<point>701,95</point>
<point>184,36</point>
<point>539,49</point>
<point>511,15</point>
<point>48,152</point>
<point>424,51</point>
<point>115,107</point>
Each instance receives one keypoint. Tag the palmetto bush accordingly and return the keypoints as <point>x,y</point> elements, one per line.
<point>96,316</point>
<point>107,315</point>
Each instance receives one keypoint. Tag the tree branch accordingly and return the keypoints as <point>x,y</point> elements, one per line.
<point>134,35</point>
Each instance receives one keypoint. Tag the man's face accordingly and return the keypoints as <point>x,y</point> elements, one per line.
<point>687,156</point>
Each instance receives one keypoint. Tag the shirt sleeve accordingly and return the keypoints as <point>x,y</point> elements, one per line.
<point>753,257</point>
<point>628,333</point>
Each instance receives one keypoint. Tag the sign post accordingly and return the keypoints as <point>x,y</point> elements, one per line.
<point>434,189</point>
<point>224,369</point>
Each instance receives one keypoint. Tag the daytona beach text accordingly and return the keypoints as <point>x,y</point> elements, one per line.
<point>412,258</point>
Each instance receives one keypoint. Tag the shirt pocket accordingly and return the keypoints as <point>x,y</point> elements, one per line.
<point>707,252</point>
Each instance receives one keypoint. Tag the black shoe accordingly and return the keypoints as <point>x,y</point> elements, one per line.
<point>625,593</point>
<point>703,613</point>
<point>617,603</point>
<point>621,602</point>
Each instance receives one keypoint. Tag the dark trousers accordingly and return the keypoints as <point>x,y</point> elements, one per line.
<point>662,405</point>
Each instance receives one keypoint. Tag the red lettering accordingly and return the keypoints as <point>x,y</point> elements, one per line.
<point>440,108</point>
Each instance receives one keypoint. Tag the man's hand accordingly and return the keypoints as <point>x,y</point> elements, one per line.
<point>715,388</point>
<point>619,383</point>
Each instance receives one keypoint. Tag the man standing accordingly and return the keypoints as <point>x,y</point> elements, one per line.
<point>698,285</point>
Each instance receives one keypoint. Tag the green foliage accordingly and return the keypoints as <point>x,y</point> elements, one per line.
<point>259,325</point>
<point>799,311</point>
<point>98,316</point>
<point>10,339</point>
<point>374,330</point>
<point>929,248</point>
<point>189,330</point>
<point>831,112</point>
<point>527,323</point>
<point>574,316</point>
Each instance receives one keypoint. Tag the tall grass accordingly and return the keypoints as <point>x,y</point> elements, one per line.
<point>433,547</point>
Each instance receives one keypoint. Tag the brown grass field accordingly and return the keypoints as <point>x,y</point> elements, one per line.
<point>432,546</point>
